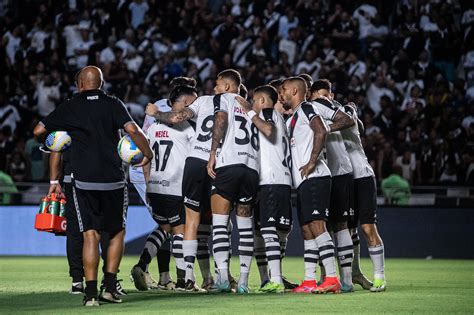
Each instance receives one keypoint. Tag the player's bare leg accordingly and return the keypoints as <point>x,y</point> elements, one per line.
<point>90,259</point>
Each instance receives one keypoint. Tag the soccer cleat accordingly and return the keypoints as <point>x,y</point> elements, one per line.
<point>180,285</point>
<point>243,289</point>
<point>119,287</point>
<point>233,284</point>
<point>110,297</point>
<point>76,288</point>
<point>206,284</point>
<point>288,284</point>
<point>361,280</point>
<point>223,287</point>
<point>345,288</point>
<point>191,286</point>
<point>272,287</point>
<point>330,284</point>
<point>170,285</point>
<point>138,277</point>
<point>92,301</point>
<point>264,283</point>
<point>307,286</point>
<point>379,285</point>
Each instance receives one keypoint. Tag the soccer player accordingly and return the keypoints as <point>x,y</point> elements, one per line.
<point>93,119</point>
<point>275,179</point>
<point>235,178</point>
<point>170,143</point>
<point>365,207</point>
<point>342,182</point>
<point>158,239</point>
<point>312,178</point>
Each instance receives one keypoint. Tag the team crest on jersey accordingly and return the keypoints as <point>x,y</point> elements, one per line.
<point>327,212</point>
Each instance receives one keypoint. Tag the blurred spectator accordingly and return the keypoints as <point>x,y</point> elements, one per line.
<point>408,65</point>
<point>407,163</point>
<point>7,187</point>
<point>18,168</point>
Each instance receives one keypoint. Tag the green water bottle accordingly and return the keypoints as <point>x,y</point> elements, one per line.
<point>54,205</point>
<point>44,205</point>
<point>62,208</point>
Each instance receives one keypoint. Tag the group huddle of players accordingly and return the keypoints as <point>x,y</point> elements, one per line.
<point>215,153</point>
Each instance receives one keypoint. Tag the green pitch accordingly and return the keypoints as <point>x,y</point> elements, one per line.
<point>40,285</point>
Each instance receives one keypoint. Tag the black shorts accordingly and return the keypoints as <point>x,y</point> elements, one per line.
<point>197,186</point>
<point>101,210</point>
<point>167,209</point>
<point>365,201</point>
<point>274,207</point>
<point>342,198</point>
<point>312,202</point>
<point>236,183</point>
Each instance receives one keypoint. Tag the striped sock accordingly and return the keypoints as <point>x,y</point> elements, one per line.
<point>245,226</point>
<point>261,258</point>
<point>220,242</point>
<point>178,255</point>
<point>356,247</point>
<point>345,254</point>
<point>377,256</point>
<point>153,243</point>
<point>326,253</point>
<point>189,251</point>
<point>283,237</point>
<point>273,253</point>
<point>311,256</point>
<point>204,231</point>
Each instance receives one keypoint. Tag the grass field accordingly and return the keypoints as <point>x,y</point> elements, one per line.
<point>39,285</point>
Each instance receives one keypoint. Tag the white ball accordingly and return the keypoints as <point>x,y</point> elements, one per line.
<point>128,151</point>
<point>58,141</point>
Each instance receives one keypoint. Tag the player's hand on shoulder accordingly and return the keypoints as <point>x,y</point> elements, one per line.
<point>246,106</point>
<point>151,109</point>
<point>307,169</point>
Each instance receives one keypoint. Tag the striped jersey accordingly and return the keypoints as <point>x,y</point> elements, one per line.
<point>170,145</point>
<point>275,159</point>
<point>337,156</point>
<point>240,145</point>
<point>301,143</point>
<point>203,109</point>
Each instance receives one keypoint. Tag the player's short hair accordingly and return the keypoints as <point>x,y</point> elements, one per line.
<point>307,78</point>
<point>181,90</point>
<point>297,80</point>
<point>243,91</point>
<point>182,81</point>
<point>268,90</point>
<point>231,74</point>
<point>321,84</point>
<point>276,83</point>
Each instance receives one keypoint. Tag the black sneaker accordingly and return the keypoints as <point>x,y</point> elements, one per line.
<point>111,297</point>
<point>91,301</point>
<point>77,288</point>
<point>119,288</point>
<point>288,284</point>
<point>180,285</point>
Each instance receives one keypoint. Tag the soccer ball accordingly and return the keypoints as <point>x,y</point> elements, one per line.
<point>58,141</point>
<point>128,151</point>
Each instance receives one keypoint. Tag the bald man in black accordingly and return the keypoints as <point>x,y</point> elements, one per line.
<point>93,119</point>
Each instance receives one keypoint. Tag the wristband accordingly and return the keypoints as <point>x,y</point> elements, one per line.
<point>54,182</point>
<point>251,114</point>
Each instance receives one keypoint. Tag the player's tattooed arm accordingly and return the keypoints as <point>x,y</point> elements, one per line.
<point>172,117</point>
<point>265,127</point>
<point>341,121</point>
<point>218,133</point>
<point>320,131</point>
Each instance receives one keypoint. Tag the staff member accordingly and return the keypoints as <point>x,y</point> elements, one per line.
<point>92,119</point>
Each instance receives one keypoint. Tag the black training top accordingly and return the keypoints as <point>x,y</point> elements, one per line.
<point>92,119</point>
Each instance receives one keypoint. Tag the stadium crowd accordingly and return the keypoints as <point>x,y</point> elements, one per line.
<point>408,65</point>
